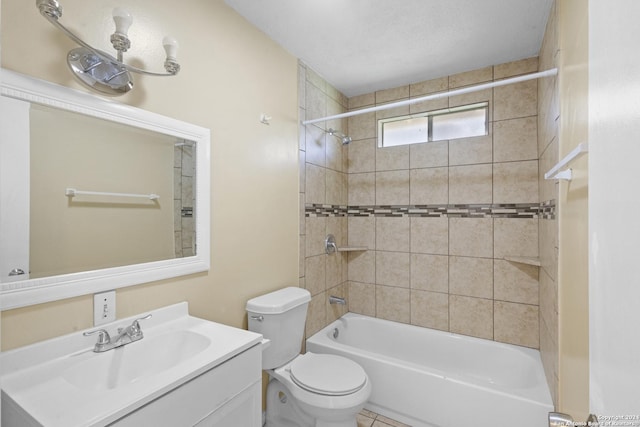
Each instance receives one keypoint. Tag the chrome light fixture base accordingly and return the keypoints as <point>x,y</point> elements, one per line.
<point>99,71</point>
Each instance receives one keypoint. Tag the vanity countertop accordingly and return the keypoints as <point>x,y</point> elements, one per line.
<point>62,382</point>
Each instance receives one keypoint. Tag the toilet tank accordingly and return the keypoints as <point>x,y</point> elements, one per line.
<point>280,317</point>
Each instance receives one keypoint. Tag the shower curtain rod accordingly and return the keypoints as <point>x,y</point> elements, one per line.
<point>462,91</point>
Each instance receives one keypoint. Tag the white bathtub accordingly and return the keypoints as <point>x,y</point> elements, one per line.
<point>425,377</point>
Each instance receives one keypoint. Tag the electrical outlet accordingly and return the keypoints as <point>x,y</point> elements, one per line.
<point>104,308</point>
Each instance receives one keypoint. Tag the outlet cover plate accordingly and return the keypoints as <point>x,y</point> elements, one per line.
<point>104,308</point>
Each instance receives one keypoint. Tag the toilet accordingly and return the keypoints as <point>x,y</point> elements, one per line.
<point>304,390</point>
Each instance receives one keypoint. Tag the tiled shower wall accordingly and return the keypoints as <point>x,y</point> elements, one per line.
<point>438,219</point>
<point>323,181</point>
<point>548,117</point>
<point>448,271</point>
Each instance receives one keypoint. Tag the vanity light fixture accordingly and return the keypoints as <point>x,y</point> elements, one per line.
<point>97,69</point>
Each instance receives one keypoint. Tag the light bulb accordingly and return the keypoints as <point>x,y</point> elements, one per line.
<point>171,47</point>
<point>123,20</point>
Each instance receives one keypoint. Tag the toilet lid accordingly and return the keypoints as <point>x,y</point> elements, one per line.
<point>327,374</point>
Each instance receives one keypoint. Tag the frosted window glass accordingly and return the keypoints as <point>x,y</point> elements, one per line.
<point>402,132</point>
<point>462,124</point>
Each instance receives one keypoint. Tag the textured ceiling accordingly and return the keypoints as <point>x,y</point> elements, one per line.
<point>360,46</point>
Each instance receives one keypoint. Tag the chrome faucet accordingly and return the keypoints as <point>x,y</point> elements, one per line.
<point>125,336</point>
<point>337,300</point>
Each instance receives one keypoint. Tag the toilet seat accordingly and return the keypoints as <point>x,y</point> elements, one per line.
<point>327,374</point>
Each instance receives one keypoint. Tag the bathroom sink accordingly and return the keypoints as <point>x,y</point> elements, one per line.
<point>63,382</point>
<point>129,363</point>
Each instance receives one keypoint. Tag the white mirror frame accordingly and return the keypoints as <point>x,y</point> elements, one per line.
<point>35,291</point>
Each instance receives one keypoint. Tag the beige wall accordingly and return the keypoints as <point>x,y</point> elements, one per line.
<point>230,74</point>
<point>573,277</point>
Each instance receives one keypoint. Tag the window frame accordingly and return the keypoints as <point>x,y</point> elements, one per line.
<point>430,114</point>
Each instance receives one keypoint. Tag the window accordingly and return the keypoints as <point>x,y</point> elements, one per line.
<point>458,122</point>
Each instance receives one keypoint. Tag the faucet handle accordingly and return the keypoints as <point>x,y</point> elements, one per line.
<point>103,337</point>
<point>135,326</point>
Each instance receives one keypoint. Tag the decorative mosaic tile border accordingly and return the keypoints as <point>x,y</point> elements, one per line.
<point>544,210</point>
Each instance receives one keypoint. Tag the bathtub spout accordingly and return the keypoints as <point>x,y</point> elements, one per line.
<point>337,300</point>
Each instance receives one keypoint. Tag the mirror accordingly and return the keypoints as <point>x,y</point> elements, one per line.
<point>95,195</point>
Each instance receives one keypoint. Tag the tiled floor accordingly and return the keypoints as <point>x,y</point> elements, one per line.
<point>371,419</point>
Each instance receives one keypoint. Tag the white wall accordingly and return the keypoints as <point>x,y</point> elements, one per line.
<point>614,205</point>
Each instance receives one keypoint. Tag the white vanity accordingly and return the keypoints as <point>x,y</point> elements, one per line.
<point>186,371</point>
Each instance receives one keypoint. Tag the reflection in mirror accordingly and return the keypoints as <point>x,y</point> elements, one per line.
<point>95,195</point>
<point>84,232</point>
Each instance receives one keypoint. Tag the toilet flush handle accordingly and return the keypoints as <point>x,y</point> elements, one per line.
<point>258,318</point>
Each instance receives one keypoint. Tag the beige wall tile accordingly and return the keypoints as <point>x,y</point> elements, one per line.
<point>316,314</point>
<point>515,100</point>
<point>471,316</point>
<point>315,234</point>
<point>548,245</point>
<point>362,267</point>
<point>515,139</point>
<point>362,156</point>
<point>315,79</point>
<point>429,154</point>
<point>392,158</point>
<point>393,303</point>
<point>471,237</point>
<point>393,269</point>
<point>334,108</point>
<point>362,298</point>
<point>301,257</point>
<point>430,272</point>
<point>469,151</point>
<point>392,234</point>
<point>333,270</point>
<point>362,189</point>
<point>315,145</point>
<point>301,214</point>
<point>316,104</point>
<point>515,182</point>
<point>315,184</point>
<point>392,188</point>
<point>393,94</point>
<point>335,152</point>
<point>429,186</point>
<point>430,309</point>
<point>515,282</point>
<point>549,300</point>
<point>515,237</point>
<point>548,189</point>
<point>430,105</point>
<point>515,68</point>
<point>362,232</point>
<point>471,276</point>
<point>302,82</point>
<point>470,184</point>
<point>430,235</point>
<point>335,188</point>
<point>428,86</point>
<point>315,274</point>
<point>362,126</point>
<point>302,168</point>
<point>359,101</point>
<point>516,324</point>
<point>473,98</point>
<point>471,77</point>
<point>338,227</point>
<point>302,116</point>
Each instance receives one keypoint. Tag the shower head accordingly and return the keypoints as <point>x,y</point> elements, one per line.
<point>345,139</point>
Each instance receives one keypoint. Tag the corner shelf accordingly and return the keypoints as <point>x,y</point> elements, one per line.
<point>524,260</point>
<point>352,249</point>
